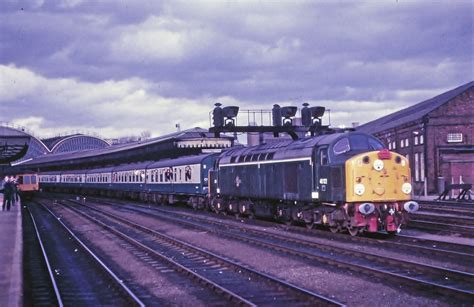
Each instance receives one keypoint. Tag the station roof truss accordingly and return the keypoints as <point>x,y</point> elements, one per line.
<point>13,144</point>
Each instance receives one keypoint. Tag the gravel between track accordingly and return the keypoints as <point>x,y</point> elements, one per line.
<point>348,287</point>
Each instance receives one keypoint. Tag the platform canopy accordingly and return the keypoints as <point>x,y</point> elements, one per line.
<point>13,144</point>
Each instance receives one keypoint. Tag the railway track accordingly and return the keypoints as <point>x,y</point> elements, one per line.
<point>444,282</point>
<point>460,210</point>
<point>448,203</point>
<point>457,253</point>
<point>444,219</point>
<point>62,270</point>
<point>442,228</point>
<point>235,282</point>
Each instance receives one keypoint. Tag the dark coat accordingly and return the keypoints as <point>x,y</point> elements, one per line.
<point>8,189</point>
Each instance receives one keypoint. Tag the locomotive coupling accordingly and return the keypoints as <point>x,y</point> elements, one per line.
<point>411,206</point>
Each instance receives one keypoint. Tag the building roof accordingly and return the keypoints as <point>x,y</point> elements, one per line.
<point>74,142</point>
<point>414,112</point>
<point>182,140</point>
<point>14,144</point>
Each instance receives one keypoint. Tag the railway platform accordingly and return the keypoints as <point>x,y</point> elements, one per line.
<point>11,256</point>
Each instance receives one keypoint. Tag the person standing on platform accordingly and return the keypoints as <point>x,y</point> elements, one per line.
<point>14,185</point>
<point>7,194</point>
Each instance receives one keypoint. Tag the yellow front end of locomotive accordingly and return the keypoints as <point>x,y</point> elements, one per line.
<point>378,176</point>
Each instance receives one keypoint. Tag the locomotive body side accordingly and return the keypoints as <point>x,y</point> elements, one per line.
<point>287,180</point>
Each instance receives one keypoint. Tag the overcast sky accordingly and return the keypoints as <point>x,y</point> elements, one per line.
<point>118,68</point>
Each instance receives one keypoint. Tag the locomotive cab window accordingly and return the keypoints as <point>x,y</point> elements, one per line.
<point>356,143</point>
<point>341,146</point>
<point>323,156</point>
<point>353,144</point>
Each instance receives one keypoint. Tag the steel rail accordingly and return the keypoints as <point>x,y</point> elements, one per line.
<point>306,293</point>
<point>465,231</point>
<point>423,246</point>
<point>130,295</point>
<point>46,259</point>
<point>395,262</point>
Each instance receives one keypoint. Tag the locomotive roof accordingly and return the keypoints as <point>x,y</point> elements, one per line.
<point>283,150</point>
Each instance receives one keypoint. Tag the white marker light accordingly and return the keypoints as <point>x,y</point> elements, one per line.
<point>378,165</point>
<point>359,189</point>
<point>406,188</point>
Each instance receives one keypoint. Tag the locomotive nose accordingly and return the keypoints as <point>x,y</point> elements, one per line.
<point>411,206</point>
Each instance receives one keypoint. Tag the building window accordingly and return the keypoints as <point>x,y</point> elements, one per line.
<point>416,140</point>
<point>394,145</point>
<point>422,166</point>
<point>421,139</point>
<point>417,167</point>
<point>454,137</point>
<point>401,143</point>
<point>390,146</point>
<point>407,142</point>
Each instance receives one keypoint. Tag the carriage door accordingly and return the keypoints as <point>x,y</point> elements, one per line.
<point>322,173</point>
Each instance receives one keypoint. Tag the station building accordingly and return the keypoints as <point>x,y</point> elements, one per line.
<point>436,135</point>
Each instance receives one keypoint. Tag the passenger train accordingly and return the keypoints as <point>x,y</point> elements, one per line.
<point>343,181</point>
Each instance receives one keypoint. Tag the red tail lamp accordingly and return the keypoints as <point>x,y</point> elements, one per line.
<point>384,154</point>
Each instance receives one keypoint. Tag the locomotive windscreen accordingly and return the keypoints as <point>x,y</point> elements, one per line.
<point>355,143</point>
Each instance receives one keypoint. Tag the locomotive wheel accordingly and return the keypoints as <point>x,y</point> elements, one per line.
<point>310,225</point>
<point>334,229</point>
<point>354,231</point>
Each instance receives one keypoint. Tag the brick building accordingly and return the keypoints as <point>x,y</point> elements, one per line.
<point>437,136</point>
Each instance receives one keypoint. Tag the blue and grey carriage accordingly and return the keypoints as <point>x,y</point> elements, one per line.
<point>182,179</point>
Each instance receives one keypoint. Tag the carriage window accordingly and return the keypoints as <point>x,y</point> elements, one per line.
<point>341,146</point>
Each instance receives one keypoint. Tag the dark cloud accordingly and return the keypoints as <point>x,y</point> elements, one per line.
<point>253,53</point>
